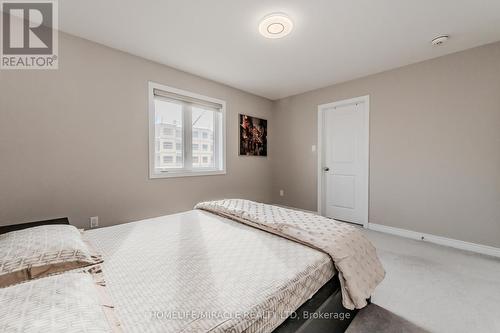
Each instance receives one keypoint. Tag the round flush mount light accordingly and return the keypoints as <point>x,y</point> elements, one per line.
<point>440,40</point>
<point>276,25</point>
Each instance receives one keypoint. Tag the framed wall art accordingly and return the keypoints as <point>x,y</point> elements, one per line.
<point>253,136</point>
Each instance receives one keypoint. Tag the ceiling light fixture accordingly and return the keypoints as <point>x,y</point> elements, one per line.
<point>276,25</point>
<point>440,40</point>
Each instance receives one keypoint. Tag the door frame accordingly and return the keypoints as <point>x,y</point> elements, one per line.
<point>321,112</point>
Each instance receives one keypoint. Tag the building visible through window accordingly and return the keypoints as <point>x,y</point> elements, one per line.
<point>191,129</point>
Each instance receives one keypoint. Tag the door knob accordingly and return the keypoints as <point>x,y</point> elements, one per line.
<point>325,169</point>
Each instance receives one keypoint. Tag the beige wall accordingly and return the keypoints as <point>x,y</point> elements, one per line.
<point>434,145</point>
<point>74,142</point>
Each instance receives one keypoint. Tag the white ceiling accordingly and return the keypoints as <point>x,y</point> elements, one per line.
<point>333,40</point>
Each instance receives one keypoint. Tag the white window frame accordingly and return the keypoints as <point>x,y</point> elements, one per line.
<point>187,136</point>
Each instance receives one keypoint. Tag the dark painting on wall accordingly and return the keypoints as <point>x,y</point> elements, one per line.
<point>253,136</point>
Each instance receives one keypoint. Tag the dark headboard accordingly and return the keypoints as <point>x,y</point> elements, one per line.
<point>14,227</point>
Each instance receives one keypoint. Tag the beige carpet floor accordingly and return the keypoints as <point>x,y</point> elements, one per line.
<point>438,288</point>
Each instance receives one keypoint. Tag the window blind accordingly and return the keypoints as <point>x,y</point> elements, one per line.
<point>187,99</point>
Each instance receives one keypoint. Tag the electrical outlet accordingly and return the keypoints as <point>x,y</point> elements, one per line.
<point>94,222</point>
<point>313,148</point>
<point>282,193</point>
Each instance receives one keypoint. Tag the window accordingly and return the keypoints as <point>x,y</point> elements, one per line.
<point>189,116</point>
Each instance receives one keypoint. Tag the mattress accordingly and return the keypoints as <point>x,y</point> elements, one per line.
<point>199,272</point>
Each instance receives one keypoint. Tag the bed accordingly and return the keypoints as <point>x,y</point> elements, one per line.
<point>201,272</point>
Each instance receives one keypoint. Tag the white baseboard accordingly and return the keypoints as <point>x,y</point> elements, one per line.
<point>450,242</point>
<point>455,243</point>
<point>295,208</point>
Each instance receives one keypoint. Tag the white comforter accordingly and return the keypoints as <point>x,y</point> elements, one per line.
<point>354,256</point>
<point>198,272</point>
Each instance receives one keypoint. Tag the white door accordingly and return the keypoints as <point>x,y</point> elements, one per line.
<point>345,160</point>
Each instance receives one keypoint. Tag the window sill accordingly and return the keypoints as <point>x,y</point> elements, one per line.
<point>184,173</point>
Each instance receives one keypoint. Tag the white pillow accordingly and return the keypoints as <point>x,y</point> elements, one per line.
<point>41,251</point>
<point>68,302</point>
